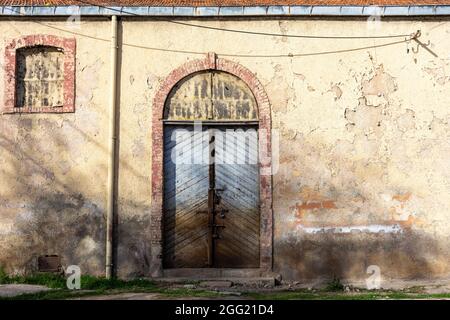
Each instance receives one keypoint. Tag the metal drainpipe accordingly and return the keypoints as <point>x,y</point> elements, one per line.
<point>112,151</point>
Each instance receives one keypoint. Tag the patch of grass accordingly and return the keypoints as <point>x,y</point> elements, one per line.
<point>59,294</point>
<point>90,285</point>
<point>100,283</point>
<point>334,285</point>
<point>95,286</point>
<point>87,282</point>
<point>181,292</point>
<point>50,280</point>
<point>3,276</point>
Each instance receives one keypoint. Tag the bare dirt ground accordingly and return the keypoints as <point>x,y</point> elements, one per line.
<point>155,296</point>
<point>286,290</point>
<point>218,290</point>
<point>11,290</point>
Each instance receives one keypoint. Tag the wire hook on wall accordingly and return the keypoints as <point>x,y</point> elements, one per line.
<point>415,38</point>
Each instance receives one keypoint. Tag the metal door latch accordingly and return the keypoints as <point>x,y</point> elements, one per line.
<point>222,213</point>
<point>216,226</point>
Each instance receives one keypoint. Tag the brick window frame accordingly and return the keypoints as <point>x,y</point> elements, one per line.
<point>67,45</point>
<point>210,63</point>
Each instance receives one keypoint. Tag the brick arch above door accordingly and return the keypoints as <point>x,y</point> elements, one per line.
<point>211,62</point>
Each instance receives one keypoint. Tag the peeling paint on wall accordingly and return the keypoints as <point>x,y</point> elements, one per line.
<point>363,176</point>
<point>375,228</point>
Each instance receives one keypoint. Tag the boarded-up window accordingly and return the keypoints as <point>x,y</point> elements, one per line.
<point>40,77</point>
<point>211,95</point>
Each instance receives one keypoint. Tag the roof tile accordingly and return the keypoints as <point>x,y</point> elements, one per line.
<point>224,3</point>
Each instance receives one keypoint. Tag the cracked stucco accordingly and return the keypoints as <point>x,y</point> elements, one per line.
<point>363,176</point>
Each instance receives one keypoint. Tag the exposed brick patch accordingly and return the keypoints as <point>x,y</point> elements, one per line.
<point>305,210</point>
<point>211,62</point>
<point>310,205</point>
<point>402,197</point>
<point>68,45</point>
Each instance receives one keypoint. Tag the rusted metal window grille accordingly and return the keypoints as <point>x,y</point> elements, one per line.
<point>40,77</point>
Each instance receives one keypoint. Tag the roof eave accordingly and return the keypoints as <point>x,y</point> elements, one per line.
<point>150,11</point>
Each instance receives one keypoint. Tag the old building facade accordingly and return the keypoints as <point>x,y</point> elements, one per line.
<point>343,110</point>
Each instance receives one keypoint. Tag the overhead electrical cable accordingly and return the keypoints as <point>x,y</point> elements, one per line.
<point>225,54</point>
<point>270,34</point>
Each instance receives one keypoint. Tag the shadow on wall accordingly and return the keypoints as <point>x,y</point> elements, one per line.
<point>53,174</point>
<point>53,178</point>
<point>340,224</point>
<point>43,201</point>
<point>407,256</point>
<point>131,221</point>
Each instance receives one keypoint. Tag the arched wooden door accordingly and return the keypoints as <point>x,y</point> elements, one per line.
<point>211,174</point>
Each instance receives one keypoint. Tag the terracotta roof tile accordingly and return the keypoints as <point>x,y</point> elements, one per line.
<point>223,3</point>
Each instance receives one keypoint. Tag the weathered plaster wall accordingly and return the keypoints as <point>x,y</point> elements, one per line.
<point>363,172</point>
<point>53,167</point>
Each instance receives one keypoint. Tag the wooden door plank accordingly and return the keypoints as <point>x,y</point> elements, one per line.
<point>238,245</point>
<point>185,195</point>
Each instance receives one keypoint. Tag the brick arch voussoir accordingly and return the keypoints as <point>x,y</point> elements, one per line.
<point>225,65</point>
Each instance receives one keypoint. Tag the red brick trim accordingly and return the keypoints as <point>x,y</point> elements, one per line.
<point>211,62</point>
<point>68,45</point>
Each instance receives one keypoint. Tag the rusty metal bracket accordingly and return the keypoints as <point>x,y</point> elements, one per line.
<point>415,38</point>
<point>216,226</point>
<point>222,213</point>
